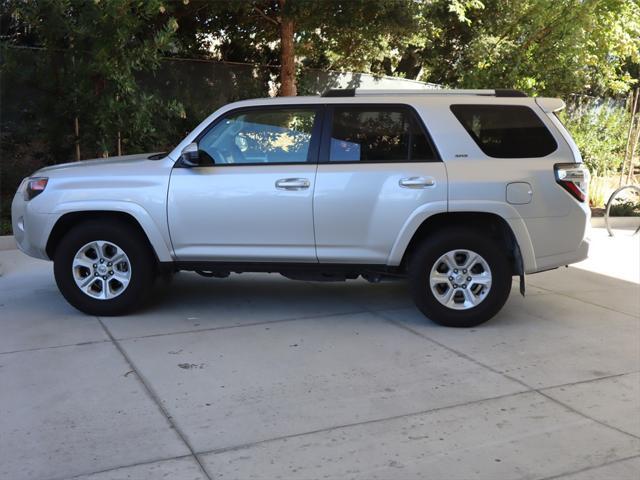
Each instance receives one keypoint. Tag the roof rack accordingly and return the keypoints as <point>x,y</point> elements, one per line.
<point>340,92</point>
<point>509,92</point>
<point>357,92</point>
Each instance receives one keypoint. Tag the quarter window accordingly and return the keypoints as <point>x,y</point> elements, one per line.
<point>259,136</point>
<point>506,131</point>
<point>380,134</point>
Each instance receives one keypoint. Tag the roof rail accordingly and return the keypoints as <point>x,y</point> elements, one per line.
<point>358,92</point>
<point>340,92</point>
<point>509,92</point>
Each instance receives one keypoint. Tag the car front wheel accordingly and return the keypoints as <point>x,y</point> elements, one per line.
<point>104,268</point>
<point>460,278</point>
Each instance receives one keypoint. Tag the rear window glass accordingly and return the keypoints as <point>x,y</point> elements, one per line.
<point>377,134</point>
<point>506,131</point>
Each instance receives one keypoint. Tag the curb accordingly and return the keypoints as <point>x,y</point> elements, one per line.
<point>616,222</point>
<point>7,242</point>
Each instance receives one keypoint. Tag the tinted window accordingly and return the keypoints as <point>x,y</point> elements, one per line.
<point>506,131</point>
<point>384,134</point>
<point>259,136</point>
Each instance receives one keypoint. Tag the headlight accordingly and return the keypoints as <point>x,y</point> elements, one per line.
<point>35,186</point>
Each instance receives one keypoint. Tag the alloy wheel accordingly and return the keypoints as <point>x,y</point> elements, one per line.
<point>101,270</point>
<point>460,279</point>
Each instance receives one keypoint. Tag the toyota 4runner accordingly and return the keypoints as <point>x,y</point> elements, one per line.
<point>456,190</point>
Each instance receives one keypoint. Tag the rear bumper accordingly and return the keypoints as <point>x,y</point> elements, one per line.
<point>553,261</point>
<point>569,236</point>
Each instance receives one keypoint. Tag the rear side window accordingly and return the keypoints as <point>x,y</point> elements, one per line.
<point>506,131</point>
<point>377,134</point>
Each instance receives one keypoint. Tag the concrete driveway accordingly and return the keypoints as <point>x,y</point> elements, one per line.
<point>257,376</point>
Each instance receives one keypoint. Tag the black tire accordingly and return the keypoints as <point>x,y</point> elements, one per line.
<point>131,241</point>
<point>424,259</point>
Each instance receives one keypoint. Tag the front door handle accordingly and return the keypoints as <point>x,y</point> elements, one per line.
<point>292,184</point>
<point>417,182</point>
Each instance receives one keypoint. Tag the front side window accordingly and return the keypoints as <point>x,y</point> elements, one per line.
<point>259,136</point>
<point>377,134</point>
<point>506,131</point>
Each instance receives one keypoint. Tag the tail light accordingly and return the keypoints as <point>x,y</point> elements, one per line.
<point>574,178</point>
<point>35,186</point>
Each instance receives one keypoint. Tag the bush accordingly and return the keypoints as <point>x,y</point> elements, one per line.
<point>627,208</point>
<point>599,128</point>
<point>626,204</point>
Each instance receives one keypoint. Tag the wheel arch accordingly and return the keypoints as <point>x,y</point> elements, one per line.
<point>70,219</point>
<point>487,223</point>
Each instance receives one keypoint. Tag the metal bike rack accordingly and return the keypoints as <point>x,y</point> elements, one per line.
<point>611,199</point>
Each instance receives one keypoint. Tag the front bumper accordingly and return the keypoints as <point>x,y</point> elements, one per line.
<point>30,229</point>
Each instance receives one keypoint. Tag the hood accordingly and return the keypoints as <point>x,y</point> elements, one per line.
<point>110,162</point>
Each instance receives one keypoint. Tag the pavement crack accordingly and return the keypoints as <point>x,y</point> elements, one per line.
<point>587,469</point>
<point>156,400</point>
<point>395,417</point>
<point>448,348</point>
<point>229,327</point>
<point>113,469</point>
<point>568,295</point>
<point>596,379</point>
<point>539,391</point>
<point>356,424</point>
<point>37,349</point>
<point>570,408</point>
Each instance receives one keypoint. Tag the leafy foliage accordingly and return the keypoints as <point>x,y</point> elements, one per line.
<point>336,34</point>
<point>626,208</point>
<point>548,47</point>
<point>92,53</point>
<point>599,128</point>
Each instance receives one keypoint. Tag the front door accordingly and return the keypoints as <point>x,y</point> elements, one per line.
<point>377,166</point>
<point>251,197</point>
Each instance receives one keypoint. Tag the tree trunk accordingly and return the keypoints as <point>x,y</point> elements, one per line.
<point>287,55</point>
<point>410,65</point>
<point>76,130</point>
<point>632,156</point>
<point>633,102</point>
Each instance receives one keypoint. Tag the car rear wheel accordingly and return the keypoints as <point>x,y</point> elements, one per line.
<point>104,267</point>
<point>460,278</point>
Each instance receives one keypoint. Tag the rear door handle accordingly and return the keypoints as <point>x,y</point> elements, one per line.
<point>292,184</point>
<point>417,182</point>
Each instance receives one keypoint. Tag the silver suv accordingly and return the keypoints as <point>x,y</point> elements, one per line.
<point>456,190</point>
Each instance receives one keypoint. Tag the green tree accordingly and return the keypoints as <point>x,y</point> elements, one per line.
<point>92,54</point>
<point>318,33</point>
<point>552,47</point>
<point>548,47</point>
<point>599,128</point>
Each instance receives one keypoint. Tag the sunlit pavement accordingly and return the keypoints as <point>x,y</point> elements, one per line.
<point>257,376</point>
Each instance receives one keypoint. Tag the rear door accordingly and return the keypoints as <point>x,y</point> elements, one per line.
<point>377,165</point>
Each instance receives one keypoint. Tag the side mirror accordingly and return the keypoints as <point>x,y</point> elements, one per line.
<point>190,156</point>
